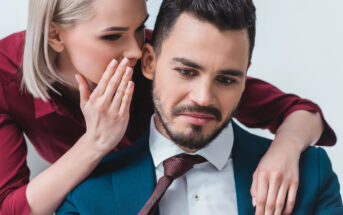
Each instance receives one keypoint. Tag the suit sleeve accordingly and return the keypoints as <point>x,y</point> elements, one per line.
<point>329,200</point>
<point>265,106</point>
<point>67,207</point>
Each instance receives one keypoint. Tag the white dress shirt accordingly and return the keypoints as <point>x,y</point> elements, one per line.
<point>208,188</point>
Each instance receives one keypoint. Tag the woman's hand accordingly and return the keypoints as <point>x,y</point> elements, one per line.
<point>106,109</point>
<point>275,181</point>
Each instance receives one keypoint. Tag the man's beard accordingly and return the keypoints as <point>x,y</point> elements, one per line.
<point>195,139</point>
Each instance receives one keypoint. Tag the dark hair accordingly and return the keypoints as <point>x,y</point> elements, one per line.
<point>224,14</point>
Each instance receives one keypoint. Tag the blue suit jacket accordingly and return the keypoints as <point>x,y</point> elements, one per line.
<point>124,181</point>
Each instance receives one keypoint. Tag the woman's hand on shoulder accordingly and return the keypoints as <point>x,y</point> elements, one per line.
<point>106,109</point>
<point>276,179</point>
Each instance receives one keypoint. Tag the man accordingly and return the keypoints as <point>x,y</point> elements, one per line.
<point>198,82</point>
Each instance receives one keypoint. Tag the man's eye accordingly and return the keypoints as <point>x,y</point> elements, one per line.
<point>225,81</point>
<point>111,37</point>
<point>186,72</point>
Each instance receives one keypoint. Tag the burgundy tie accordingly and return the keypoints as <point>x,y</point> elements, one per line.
<point>174,167</point>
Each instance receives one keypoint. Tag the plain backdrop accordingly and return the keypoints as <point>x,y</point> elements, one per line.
<point>298,49</point>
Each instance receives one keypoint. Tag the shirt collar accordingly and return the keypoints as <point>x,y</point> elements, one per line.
<point>43,108</point>
<point>217,152</point>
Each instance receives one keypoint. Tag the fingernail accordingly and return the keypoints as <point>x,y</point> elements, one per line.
<point>130,84</point>
<point>125,61</point>
<point>77,79</point>
<point>253,202</point>
<point>113,63</point>
<point>128,71</point>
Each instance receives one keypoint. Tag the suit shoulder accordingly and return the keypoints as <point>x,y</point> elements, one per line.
<point>317,155</point>
<point>249,141</point>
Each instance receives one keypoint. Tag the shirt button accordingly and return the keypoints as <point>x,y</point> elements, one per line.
<point>196,197</point>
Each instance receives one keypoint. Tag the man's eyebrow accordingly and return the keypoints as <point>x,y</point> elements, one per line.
<point>115,28</point>
<point>187,62</point>
<point>232,72</point>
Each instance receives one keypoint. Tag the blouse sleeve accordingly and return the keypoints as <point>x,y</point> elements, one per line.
<point>14,172</point>
<point>265,106</point>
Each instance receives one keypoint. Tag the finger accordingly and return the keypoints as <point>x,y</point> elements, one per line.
<point>262,191</point>
<point>126,102</point>
<point>253,189</point>
<point>117,100</point>
<point>114,83</point>
<point>105,78</point>
<point>273,189</point>
<point>292,193</point>
<point>281,198</point>
<point>84,90</point>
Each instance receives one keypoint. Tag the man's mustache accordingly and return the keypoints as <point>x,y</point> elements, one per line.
<point>198,109</point>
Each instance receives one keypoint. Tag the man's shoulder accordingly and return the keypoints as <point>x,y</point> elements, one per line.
<point>318,184</point>
<point>117,163</point>
<point>119,176</point>
<point>314,162</point>
<point>246,141</point>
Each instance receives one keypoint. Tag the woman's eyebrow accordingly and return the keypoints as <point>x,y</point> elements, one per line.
<point>116,28</point>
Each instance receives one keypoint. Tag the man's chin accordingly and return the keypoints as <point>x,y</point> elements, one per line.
<point>191,140</point>
<point>194,137</point>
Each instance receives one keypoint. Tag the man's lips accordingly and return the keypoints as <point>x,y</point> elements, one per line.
<point>198,118</point>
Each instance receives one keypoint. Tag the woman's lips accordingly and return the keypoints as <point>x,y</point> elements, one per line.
<point>198,118</point>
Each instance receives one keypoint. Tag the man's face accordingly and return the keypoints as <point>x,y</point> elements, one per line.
<point>198,79</point>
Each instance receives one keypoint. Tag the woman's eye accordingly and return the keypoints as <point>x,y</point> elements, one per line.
<point>225,81</point>
<point>111,37</point>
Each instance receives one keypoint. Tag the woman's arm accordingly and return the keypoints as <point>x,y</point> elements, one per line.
<point>265,106</point>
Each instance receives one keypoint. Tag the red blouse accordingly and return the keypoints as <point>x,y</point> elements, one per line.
<point>54,127</point>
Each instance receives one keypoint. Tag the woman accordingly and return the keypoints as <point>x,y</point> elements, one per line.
<point>40,96</point>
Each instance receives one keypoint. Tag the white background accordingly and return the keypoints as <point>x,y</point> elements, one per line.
<point>298,48</point>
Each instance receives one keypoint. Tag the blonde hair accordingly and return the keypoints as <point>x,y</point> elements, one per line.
<point>39,68</point>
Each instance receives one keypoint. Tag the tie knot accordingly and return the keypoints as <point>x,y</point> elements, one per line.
<point>178,165</point>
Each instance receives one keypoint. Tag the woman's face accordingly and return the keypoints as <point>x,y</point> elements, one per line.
<point>114,31</point>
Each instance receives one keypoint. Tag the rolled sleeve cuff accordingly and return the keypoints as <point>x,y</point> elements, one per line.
<point>328,137</point>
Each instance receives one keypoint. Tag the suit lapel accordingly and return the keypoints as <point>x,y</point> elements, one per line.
<point>246,155</point>
<point>136,181</point>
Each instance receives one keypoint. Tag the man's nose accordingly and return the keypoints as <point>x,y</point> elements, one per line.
<point>202,94</point>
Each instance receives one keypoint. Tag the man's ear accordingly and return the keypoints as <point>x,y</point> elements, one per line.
<point>54,39</point>
<point>148,61</point>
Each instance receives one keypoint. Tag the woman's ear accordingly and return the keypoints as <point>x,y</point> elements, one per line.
<point>148,61</point>
<point>54,39</point>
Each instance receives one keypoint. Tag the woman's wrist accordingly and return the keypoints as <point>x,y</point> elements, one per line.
<point>289,143</point>
<point>93,145</point>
